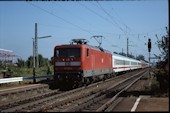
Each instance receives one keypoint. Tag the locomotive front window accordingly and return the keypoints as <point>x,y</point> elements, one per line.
<point>68,52</point>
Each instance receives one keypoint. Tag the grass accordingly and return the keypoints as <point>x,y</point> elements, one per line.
<point>15,71</point>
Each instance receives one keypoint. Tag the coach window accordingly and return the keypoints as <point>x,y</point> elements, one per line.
<point>87,52</point>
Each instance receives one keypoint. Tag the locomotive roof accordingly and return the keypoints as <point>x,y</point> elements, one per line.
<point>92,47</point>
<point>99,48</point>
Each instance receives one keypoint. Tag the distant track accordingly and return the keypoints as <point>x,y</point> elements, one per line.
<point>15,93</point>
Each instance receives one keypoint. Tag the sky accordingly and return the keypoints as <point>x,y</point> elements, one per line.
<point>114,20</point>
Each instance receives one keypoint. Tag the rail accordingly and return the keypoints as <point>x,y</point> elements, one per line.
<point>19,79</point>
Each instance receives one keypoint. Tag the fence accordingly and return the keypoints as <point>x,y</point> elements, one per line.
<point>18,79</point>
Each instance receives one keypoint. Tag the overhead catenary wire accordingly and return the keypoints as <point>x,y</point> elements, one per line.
<point>60,18</point>
<point>133,33</point>
<point>110,17</point>
<point>80,18</point>
<point>120,19</point>
<point>110,22</point>
<point>113,19</point>
<point>138,34</point>
<point>100,7</point>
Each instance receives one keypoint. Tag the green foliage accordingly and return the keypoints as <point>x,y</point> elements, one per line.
<point>14,71</point>
<point>140,57</point>
<point>49,71</point>
<point>163,74</point>
<point>163,45</point>
<point>29,62</point>
<point>21,63</point>
<point>25,68</point>
<point>52,61</point>
<point>131,56</point>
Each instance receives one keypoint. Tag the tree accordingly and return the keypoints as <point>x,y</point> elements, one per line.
<point>123,54</point>
<point>131,56</point>
<point>20,63</point>
<point>29,62</point>
<point>43,61</point>
<point>49,70</point>
<point>140,57</point>
<point>163,44</point>
<point>52,60</point>
<point>163,73</point>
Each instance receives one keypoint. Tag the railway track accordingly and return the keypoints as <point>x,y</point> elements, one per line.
<point>104,100</point>
<point>15,93</point>
<point>20,102</point>
<point>52,100</point>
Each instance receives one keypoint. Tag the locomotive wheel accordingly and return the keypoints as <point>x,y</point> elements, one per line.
<point>105,77</point>
<point>86,81</point>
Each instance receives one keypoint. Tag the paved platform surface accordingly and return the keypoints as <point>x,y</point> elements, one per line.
<point>153,104</point>
<point>145,104</point>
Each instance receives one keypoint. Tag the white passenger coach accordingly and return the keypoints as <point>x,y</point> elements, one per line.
<point>121,63</point>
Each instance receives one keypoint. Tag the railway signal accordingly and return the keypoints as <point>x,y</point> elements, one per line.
<point>149,50</point>
<point>149,45</point>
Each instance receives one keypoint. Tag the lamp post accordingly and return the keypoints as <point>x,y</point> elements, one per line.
<point>35,51</point>
<point>35,54</point>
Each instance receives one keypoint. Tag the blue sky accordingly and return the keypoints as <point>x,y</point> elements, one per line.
<point>114,20</point>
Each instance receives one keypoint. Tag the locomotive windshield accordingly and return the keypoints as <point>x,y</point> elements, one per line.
<point>68,52</point>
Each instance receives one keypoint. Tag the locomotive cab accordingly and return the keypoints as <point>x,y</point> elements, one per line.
<point>68,62</point>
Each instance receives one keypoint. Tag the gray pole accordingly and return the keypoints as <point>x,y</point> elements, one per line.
<point>127,47</point>
<point>34,81</point>
<point>36,46</point>
<point>33,52</point>
<point>149,58</point>
<point>149,64</point>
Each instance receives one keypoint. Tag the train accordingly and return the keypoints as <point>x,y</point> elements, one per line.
<point>79,63</point>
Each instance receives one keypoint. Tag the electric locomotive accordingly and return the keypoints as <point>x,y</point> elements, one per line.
<point>78,63</point>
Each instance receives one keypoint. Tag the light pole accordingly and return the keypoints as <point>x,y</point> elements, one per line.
<point>128,46</point>
<point>35,51</point>
<point>34,81</point>
<point>35,54</point>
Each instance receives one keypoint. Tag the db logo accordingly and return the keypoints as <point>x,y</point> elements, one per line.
<point>68,63</point>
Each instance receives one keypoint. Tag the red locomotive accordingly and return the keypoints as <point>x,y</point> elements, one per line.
<point>78,63</point>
